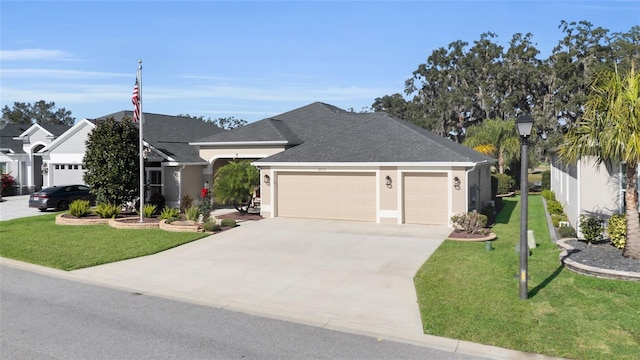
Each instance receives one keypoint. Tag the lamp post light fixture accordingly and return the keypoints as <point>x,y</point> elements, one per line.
<point>524,123</point>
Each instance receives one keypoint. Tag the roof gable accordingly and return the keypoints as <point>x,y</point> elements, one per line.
<point>68,134</point>
<point>293,127</point>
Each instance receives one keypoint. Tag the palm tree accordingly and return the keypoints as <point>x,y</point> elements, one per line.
<point>497,138</point>
<point>610,131</point>
<point>235,184</point>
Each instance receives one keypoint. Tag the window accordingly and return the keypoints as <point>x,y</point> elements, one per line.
<point>3,167</point>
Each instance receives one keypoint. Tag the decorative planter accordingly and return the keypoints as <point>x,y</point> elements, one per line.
<point>66,219</point>
<point>134,223</point>
<point>180,226</point>
<point>488,237</point>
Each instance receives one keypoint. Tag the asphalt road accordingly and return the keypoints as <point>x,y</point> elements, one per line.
<point>46,317</point>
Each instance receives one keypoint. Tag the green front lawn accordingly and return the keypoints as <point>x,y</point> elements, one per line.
<point>466,292</point>
<point>38,240</point>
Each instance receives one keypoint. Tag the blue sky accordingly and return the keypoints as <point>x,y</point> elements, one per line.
<point>252,60</point>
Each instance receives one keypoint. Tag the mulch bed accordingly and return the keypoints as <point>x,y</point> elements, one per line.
<point>137,220</point>
<point>458,234</point>
<point>236,215</point>
<point>601,255</point>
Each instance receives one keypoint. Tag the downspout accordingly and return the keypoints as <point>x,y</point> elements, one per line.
<point>180,185</point>
<point>474,167</point>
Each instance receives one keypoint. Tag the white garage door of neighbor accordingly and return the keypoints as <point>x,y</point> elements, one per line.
<point>426,198</point>
<point>67,174</point>
<point>340,196</point>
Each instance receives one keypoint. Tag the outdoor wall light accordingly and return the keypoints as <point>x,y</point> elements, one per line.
<point>267,179</point>
<point>456,182</point>
<point>387,181</point>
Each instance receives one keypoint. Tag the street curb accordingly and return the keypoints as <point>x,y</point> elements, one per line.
<point>379,332</point>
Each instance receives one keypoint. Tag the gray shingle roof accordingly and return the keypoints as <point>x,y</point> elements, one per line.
<point>56,130</point>
<point>296,126</point>
<point>378,137</point>
<point>326,133</point>
<point>264,130</point>
<point>8,132</point>
<point>172,134</point>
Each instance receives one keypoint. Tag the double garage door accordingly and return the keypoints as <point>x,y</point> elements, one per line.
<point>352,196</point>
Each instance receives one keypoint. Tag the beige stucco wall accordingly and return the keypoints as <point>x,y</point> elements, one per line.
<point>191,181</point>
<point>266,203</point>
<point>211,154</point>
<point>459,196</point>
<point>388,194</point>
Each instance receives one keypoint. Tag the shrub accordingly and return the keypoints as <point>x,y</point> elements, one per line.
<point>205,207</point>
<point>192,213</point>
<point>617,230</point>
<point>211,226</point>
<point>555,219</point>
<point>8,183</point>
<point>158,200</point>
<point>148,210</point>
<point>169,213</point>
<point>79,208</point>
<point>505,183</point>
<point>107,211</point>
<point>591,228</point>
<point>566,232</point>
<point>171,219</point>
<point>488,210</point>
<point>548,195</point>
<point>554,207</point>
<point>185,203</point>
<point>228,222</point>
<point>494,186</point>
<point>546,180</point>
<point>470,222</point>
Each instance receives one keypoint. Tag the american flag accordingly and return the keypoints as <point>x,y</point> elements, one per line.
<point>135,99</point>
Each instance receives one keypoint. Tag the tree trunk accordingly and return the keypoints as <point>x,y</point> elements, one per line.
<point>500,163</point>
<point>632,245</point>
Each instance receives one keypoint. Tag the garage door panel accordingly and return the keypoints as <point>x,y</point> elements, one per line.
<point>344,196</point>
<point>426,198</point>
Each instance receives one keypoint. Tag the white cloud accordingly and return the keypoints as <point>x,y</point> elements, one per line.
<point>58,74</point>
<point>34,54</point>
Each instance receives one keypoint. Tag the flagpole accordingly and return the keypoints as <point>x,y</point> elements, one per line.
<point>141,141</point>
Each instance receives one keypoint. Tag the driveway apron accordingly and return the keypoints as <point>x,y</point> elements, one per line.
<point>360,274</point>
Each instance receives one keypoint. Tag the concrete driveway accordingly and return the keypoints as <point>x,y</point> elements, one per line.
<point>319,272</point>
<point>14,207</point>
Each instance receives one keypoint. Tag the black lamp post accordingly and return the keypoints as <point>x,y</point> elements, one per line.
<point>524,123</point>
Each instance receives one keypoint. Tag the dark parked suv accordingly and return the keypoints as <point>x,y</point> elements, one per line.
<point>59,197</point>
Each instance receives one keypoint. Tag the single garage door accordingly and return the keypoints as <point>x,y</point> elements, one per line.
<point>67,174</point>
<point>426,199</point>
<point>340,196</point>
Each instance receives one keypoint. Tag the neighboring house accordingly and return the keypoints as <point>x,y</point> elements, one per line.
<point>588,188</point>
<point>320,161</point>
<point>19,152</point>
<point>173,167</point>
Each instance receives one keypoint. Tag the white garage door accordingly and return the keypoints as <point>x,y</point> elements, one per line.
<point>341,196</point>
<point>67,174</point>
<point>426,198</point>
